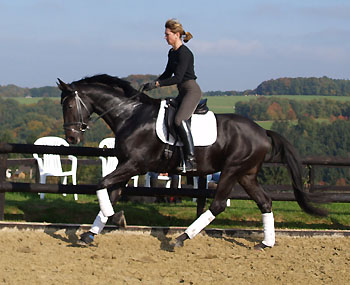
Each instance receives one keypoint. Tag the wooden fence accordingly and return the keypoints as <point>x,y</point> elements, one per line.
<point>277,192</point>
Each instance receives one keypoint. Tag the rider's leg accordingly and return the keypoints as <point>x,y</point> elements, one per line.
<point>190,95</point>
<point>184,131</point>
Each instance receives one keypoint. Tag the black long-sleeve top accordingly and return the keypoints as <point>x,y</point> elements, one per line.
<point>180,65</point>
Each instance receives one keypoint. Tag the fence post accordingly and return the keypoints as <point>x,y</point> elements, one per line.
<point>3,165</point>
<point>202,184</point>
<point>311,177</point>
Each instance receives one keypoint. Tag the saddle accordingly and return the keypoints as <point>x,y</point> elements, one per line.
<point>171,107</point>
<point>203,127</point>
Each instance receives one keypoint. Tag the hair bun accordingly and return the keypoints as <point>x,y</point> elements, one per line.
<point>187,37</point>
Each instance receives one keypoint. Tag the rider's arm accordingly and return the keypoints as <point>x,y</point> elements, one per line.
<point>184,59</point>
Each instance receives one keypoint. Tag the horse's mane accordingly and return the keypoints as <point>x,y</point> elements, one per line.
<point>111,81</point>
<point>116,82</point>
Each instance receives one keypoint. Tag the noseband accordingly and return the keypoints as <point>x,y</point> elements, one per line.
<point>82,126</point>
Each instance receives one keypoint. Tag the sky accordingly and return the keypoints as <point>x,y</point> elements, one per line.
<point>237,44</point>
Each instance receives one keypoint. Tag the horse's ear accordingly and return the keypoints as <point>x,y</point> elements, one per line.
<point>63,86</point>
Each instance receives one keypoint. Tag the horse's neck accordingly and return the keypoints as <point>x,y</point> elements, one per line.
<point>119,110</point>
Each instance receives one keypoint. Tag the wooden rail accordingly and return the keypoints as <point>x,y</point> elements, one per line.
<point>277,192</point>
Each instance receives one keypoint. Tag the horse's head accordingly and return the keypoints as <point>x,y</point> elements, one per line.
<point>76,112</point>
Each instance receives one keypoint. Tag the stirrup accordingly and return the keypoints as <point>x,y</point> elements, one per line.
<point>190,165</point>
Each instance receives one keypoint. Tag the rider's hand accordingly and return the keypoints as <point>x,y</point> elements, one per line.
<point>149,86</point>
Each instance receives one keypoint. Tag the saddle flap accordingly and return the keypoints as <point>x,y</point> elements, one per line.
<point>202,107</point>
<point>171,106</point>
<point>203,127</point>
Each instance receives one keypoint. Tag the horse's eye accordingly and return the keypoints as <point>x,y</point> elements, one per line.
<point>70,106</point>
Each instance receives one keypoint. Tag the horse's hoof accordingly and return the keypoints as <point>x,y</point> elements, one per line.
<point>119,219</point>
<point>86,239</point>
<point>179,243</point>
<point>261,246</point>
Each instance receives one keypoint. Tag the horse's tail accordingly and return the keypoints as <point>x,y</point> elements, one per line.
<point>283,151</point>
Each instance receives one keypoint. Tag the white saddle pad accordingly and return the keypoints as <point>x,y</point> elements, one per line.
<point>203,127</point>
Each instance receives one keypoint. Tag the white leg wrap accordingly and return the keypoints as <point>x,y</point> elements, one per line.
<point>203,220</point>
<point>269,229</point>
<point>99,223</point>
<point>105,203</point>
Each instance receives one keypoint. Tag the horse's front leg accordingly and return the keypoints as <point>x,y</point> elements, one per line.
<point>105,202</point>
<point>118,218</point>
<point>118,178</point>
<point>227,180</point>
<point>101,220</point>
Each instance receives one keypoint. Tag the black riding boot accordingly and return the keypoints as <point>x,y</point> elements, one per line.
<point>184,132</point>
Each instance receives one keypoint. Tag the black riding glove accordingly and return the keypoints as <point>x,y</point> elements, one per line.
<point>149,86</point>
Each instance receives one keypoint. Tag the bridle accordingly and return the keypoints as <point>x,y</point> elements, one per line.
<point>82,126</point>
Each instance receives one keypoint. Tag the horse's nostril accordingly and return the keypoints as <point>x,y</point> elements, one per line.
<point>71,140</point>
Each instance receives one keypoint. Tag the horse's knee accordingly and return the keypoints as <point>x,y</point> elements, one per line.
<point>265,207</point>
<point>217,207</point>
<point>103,183</point>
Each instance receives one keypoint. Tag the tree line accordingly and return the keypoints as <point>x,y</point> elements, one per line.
<point>305,86</point>
<point>273,108</point>
<point>281,86</point>
<point>11,91</point>
<point>22,123</point>
<point>318,139</point>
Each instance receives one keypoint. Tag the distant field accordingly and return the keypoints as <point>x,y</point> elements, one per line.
<point>218,104</point>
<point>35,100</point>
<point>225,104</point>
<point>265,124</point>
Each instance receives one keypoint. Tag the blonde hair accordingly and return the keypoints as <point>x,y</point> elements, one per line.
<point>175,27</point>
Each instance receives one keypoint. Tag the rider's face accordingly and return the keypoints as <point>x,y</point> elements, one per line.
<point>170,37</point>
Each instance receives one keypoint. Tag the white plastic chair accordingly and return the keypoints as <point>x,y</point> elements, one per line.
<point>161,177</point>
<point>50,164</point>
<point>208,179</point>
<point>110,163</point>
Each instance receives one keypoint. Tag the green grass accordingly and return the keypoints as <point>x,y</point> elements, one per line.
<point>218,104</point>
<point>225,104</point>
<point>242,214</point>
<point>28,101</point>
<point>265,124</point>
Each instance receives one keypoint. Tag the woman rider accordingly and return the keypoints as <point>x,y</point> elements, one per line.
<point>180,71</point>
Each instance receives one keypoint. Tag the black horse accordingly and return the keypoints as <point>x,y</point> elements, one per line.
<point>239,151</point>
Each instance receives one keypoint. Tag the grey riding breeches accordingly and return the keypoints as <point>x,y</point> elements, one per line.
<point>189,96</point>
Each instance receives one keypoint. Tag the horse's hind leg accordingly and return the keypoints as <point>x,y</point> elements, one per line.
<point>264,202</point>
<point>223,190</point>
